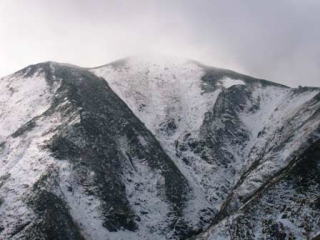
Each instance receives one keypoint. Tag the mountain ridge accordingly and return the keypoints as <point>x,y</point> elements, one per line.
<point>146,149</point>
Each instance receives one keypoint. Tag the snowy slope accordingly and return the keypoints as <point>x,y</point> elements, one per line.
<point>82,166</point>
<point>161,91</point>
<point>223,130</point>
<point>25,99</point>
<point>156,148</point>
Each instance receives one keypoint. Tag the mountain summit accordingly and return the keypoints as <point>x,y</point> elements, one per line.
<point>156,148</point>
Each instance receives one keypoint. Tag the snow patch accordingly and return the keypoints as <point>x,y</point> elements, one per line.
<point>229,82</point>
<point>22,99</point>
<point>23,162</point>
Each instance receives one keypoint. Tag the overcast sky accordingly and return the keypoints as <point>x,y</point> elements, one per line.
<point>276,39</point>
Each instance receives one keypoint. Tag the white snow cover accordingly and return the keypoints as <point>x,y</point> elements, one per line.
<point>162,92</point>
<point>22,162</point>
<point>22,159</point>
<point>22,99</point>
<point>290,106</point>
<point>145,191</point>
<point>229,82</point>
<point>164,89</point>
<point>84,209</point>
<point>159,90</point>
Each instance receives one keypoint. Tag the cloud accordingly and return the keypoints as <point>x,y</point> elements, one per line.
<point>276,40</point>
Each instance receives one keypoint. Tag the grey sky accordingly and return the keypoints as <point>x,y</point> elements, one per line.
<point>276,39</point>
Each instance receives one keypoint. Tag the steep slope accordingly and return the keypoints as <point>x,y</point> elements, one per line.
<point>77,164</point>
<point>156,148</point>
<point>287,209</point>
<point>230,134</point>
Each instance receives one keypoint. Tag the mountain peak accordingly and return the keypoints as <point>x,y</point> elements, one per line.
<point>147,148</point>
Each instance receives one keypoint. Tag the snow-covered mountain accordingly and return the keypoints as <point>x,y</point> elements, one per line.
<point>156,148</point>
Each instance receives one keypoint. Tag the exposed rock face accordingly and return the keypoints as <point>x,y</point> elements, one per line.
<point>287,209</point>
<point>156,149</point>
